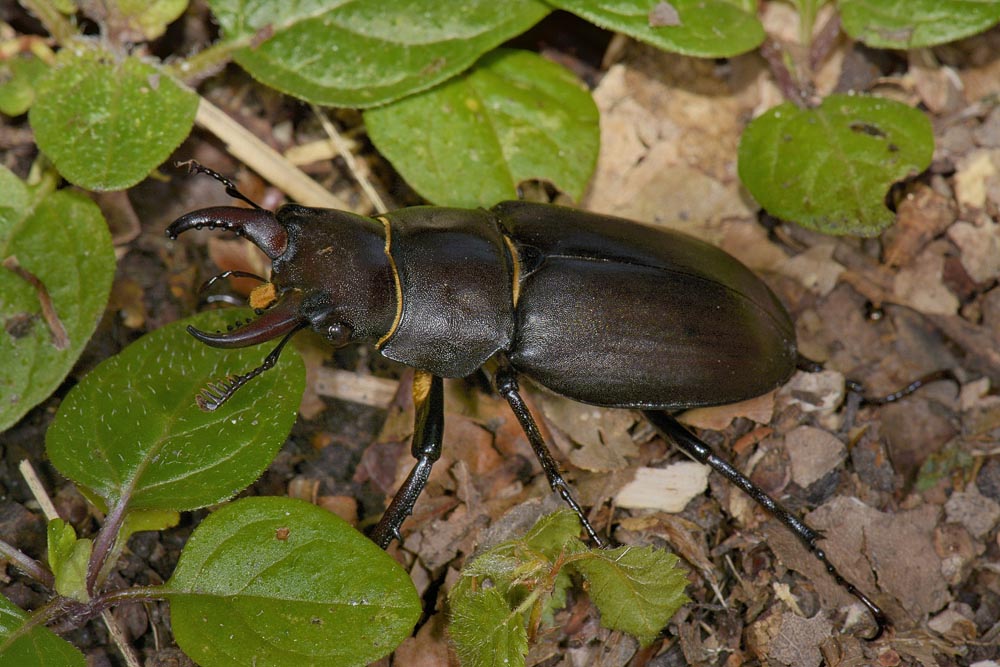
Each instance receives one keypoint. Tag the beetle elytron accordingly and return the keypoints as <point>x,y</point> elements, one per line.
<point>598,309</point>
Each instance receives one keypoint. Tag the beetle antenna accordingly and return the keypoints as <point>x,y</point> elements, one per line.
<point>228,274</point>
<point>193,166</point>
<point>214,394</point>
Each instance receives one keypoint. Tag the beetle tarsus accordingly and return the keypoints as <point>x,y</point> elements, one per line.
<point>935,376</point>
<point>855,387</point>
<point>694,447</point>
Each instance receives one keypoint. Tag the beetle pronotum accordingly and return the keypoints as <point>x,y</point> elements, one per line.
<point>602,310</point>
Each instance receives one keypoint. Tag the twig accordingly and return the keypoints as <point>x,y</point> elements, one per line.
<point>60,339</point>
<point>27,564</point>
<point>37,490</point>
<point>775,57</point>
<point>341,147</point>
<point>263,159</point>
<point>55,23</point>
<point>106,539</point>
<point>121,641</point>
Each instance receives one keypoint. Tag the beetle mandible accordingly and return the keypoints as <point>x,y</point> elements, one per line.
<point>599,309</point>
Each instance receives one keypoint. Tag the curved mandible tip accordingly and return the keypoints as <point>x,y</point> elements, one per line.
<point>277,321</point>
<point>258,225</point>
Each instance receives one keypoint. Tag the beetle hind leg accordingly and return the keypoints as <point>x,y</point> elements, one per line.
<point>701,452</point>
<point>506,383</point>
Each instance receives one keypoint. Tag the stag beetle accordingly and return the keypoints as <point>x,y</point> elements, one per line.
<point>599,309</point>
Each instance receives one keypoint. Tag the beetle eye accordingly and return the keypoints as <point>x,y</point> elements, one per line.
<point>338,334</point>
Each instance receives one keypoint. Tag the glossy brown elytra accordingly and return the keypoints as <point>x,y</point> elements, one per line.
<point>599,309</point>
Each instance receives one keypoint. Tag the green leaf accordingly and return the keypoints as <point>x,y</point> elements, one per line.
<point>636,589</point>
<point>19,75</point>
<point>150,18</point>
<point>353,53</point>
<point>910,24</point>
<point>275,581</point>
<point>702,28</point>
<point>60,238</point>
<point>486,633</point>
<point>131,429</point>
<point>138,521</point>
<point>68,558</point>
<point>37,647</point>
<point>469,142</point>
<point>829,168</point>
<point>106,121</point>
<point>556,533</point>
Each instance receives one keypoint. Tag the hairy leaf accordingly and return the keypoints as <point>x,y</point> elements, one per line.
<point>485,631</point>
<point>911,24</point>
<point>68,557</point>
<point>829,168</point>
<point>276,581</point>
<point>703,28</point>
<point>353,53</point>
<point>19,76</point>
<point>636,589</point>
<point>107,121</point>
<point>38,647</point>
<point>60,240</point>
<point>131,429</point>
<point>470,142</point>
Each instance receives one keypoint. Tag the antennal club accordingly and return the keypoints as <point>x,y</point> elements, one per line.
<point>194,166</point>
<point>214,394</point>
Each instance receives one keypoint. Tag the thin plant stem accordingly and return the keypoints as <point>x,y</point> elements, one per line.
<point>104,543</point>
<point>57,25</point>
<point>27,564</point>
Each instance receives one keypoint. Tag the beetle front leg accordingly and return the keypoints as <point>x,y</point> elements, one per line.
<point>701,452</point>
<point>428,433</point>
<point>506,383</point>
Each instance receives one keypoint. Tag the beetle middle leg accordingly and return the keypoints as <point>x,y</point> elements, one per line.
<point>428,434</point>
<point>701,452</point>
<point>506,383</point>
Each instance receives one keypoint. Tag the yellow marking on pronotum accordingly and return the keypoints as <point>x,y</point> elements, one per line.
<point>421,386</point>
<point>263,296</point>
<point>515,288</point>
<point>395,279</point>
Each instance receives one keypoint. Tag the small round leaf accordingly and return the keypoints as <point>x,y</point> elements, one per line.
<point>131,430</point>
<point>911,24</point>
<point>701,28</point>
<point>829,168</point>
<point>470,142</point>
<point>61,240</point>
<point>276,581</point>
<point>38,647</point>
<point>636,589</point>
<point>105,121</point>
<point>359,54</point>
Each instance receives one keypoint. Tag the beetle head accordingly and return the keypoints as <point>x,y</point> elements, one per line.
<point>329,272</point>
